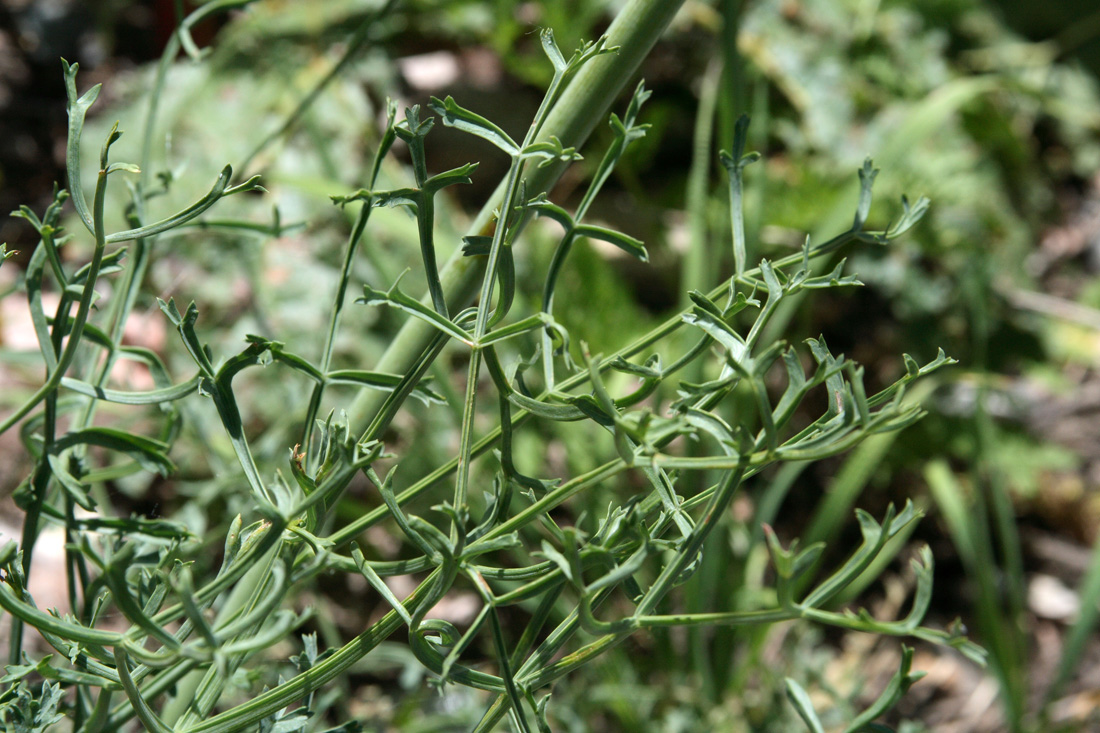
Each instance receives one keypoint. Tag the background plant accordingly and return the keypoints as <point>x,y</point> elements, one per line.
<point>304,169</point>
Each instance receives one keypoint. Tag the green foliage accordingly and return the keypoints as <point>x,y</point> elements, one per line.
<point>177,629</point>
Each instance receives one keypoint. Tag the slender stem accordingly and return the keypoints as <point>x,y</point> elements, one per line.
<point>465,445</point>
<point>333,324</point>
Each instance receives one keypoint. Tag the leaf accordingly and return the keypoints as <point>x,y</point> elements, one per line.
<point>397,197</point>
<point>362,194</point>
<point>875,537</point>
<point>283,722</point>
<point>78,110</point>
<point>550,48</point>
<point>625,570</point>
<point>867,175</point>
<point>626,132</point>
<point>164,529</point>
<point>540,714</point>
<point>505,271</point>
<point>899,684</point>
<point>912,372</point>
<point>383,381</point>
<point>397,299</point>
<point>833,280</point>
<point>626,243</point>
<point>530,323</point>
<point>797,387</point>
<point>125,167</point>
<point>476,245</point>
<point>545,207</point>
<point>561,561</point>
<point>588,51</point>
<point>218,384</point>
<point>17,672</point>
<point>150,453</point>
<point>834,383</point>
<point>378,584</point>
<point>404,522</point>
<point>450,178</point>
<point>280,354</point>
<point>912,369</point>
<point>912,214</point>
<point>714,426</point>
<point>463,119</point>
<point>548,410</point>
<point>650,370</point>
<point>720,331</point>
<point>923,568</point>
<point>801,701</point>
<point>72,486</point>
<point>6,253</point>
<point>735,165</point>
<point>109,263</point>
<point>151,397</point>
<point>550,151</point>
<point>775,289</point>
<point>217,192</point>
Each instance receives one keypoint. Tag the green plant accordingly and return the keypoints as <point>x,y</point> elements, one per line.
<point>669,455</point>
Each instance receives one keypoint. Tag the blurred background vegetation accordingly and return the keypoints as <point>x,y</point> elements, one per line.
<point>989,107</point>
